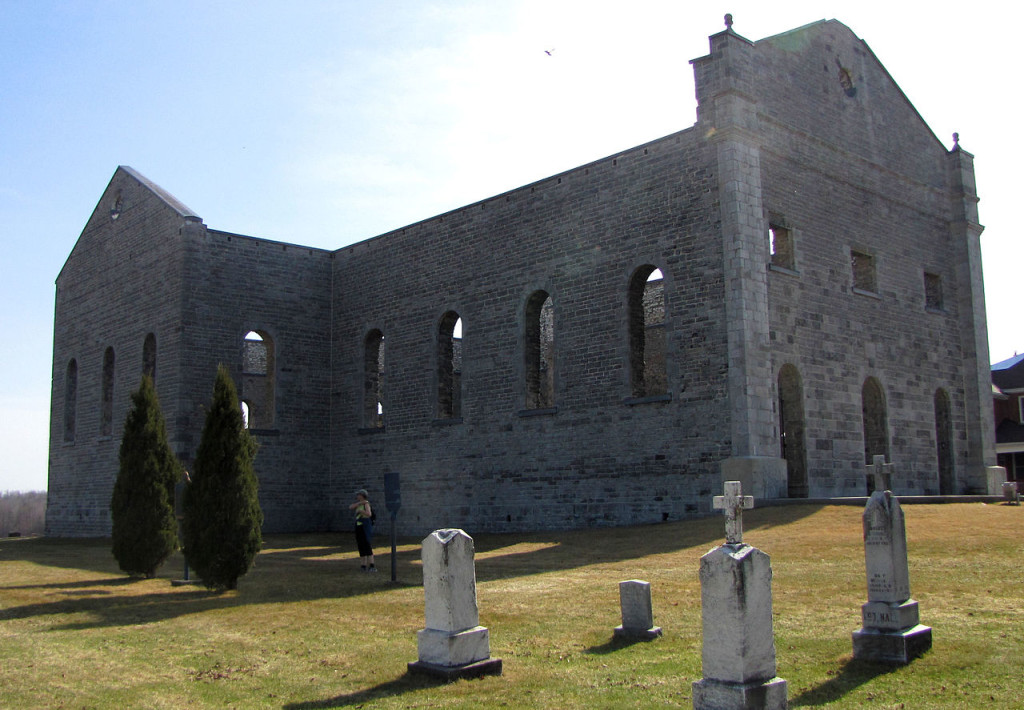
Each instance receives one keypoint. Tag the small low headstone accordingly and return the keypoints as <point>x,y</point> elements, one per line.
<point>738,651</point>
<point>453,644</point>
<point>890,632</point>
<point>1010,493</point>
<point>637,612</point>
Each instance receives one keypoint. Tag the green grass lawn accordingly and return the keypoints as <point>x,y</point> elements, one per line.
<point>306,629</point>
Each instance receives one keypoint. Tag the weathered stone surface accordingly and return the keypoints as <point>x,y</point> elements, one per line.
<point>449,581</point>
<point>736,615</point>
<point>890,616</point>
<point>885,549</point>
<point>890,632</point>
<point>457,648</point>
<point>897,647</point>
<point>713,695</point>
<point>453,638</point>
<point>637,611</point>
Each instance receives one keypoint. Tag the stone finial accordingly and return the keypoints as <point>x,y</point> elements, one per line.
<point>733,503</point>
<point>728,21</point>
<point>956,141</point>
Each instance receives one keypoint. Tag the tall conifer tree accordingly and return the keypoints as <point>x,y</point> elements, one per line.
<point>222,509</point>
<point>144,531</point>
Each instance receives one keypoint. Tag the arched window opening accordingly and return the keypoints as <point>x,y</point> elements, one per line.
<point>944,442</point>
<point>876,424</point>
<point>70,400</point>
<point>647,332</point>
<point>149,356</point>
<point>107,395</point>
<point>449,366</point>
<point>539,351</point>
<point>258,375</point>
<point>792,430</point>
<point>373,380</point>
<point>245,414</point>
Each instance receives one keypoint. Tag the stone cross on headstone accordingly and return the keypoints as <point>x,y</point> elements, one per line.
<point>880,473</point>
<point>733,503</point>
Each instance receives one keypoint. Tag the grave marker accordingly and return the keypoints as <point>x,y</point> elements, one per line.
<point>637,613</point>
<point>453,644</point>
<point>738,651</point>
<point>890,631</point>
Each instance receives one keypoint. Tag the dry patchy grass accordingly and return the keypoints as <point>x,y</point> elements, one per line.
<point>305,629</point>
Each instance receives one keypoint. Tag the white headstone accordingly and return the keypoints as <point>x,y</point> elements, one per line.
<point>738,650</point>
<point>453,641</point>
<point>890,631</point>
<point>885,549</point>
<point>637,611</point>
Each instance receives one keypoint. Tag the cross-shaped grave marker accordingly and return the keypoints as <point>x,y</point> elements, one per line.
<point>733,503</point>
<point>881,473</point>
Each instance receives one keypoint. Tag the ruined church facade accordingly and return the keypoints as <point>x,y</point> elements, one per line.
<point>776,294</point>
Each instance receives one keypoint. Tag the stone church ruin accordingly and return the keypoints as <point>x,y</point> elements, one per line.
<point>773,295</point>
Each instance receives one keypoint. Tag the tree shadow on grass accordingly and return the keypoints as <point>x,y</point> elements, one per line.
<point>407,683</point>
<point>850,676</point>
<point>319,566</point>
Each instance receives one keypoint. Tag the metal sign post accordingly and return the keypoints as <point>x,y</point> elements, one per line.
<point>393,501</point>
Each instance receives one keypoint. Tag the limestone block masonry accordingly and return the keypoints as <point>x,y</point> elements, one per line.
<point>803,132</point>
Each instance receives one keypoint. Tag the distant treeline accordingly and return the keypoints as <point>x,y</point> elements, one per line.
<point>23,513</point>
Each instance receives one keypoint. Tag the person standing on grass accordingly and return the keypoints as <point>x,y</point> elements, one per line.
<point>364,530</point>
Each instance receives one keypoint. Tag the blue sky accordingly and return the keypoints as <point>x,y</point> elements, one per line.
<point>325,123</point>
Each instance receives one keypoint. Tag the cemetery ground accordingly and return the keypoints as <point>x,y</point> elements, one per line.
<point>306,629</point>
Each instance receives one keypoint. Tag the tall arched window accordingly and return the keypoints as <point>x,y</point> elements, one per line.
<point>107,395</point>
<point>791,430</point>
<point>149,356</point>
<point>70,400</point>
<point>539,351</point>
<point>449,366</point>
<point>373,380</point>
<point>944,442</point>
<point>646,300</point>
<point>258,373</point>
<point>876,423</point>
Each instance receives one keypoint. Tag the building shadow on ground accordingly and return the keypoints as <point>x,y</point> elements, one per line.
<point>307,567</point>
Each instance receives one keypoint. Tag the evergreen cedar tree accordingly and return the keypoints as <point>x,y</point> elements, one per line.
<point>222,509</point>
<point>144,531</point>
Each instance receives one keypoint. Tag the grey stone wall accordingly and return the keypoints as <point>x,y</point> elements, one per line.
<point>592,459</point>
<point>122,281</point>
<point>805,131</point>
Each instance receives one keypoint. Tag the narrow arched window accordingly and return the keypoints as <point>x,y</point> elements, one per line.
<point>944,442</point>
<point>449,366</point>
<point>107,395</point>
<point>539,351</point>
<point>791,430</point>
<point>646,300</point>
<point>876,423</point>
<point>149,356</point>
<point>373,380</point>
<point>70,400</point>
<point>258,375</point>
<point>245,414</point>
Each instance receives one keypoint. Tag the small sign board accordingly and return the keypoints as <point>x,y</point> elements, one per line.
<point>392,492</point>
